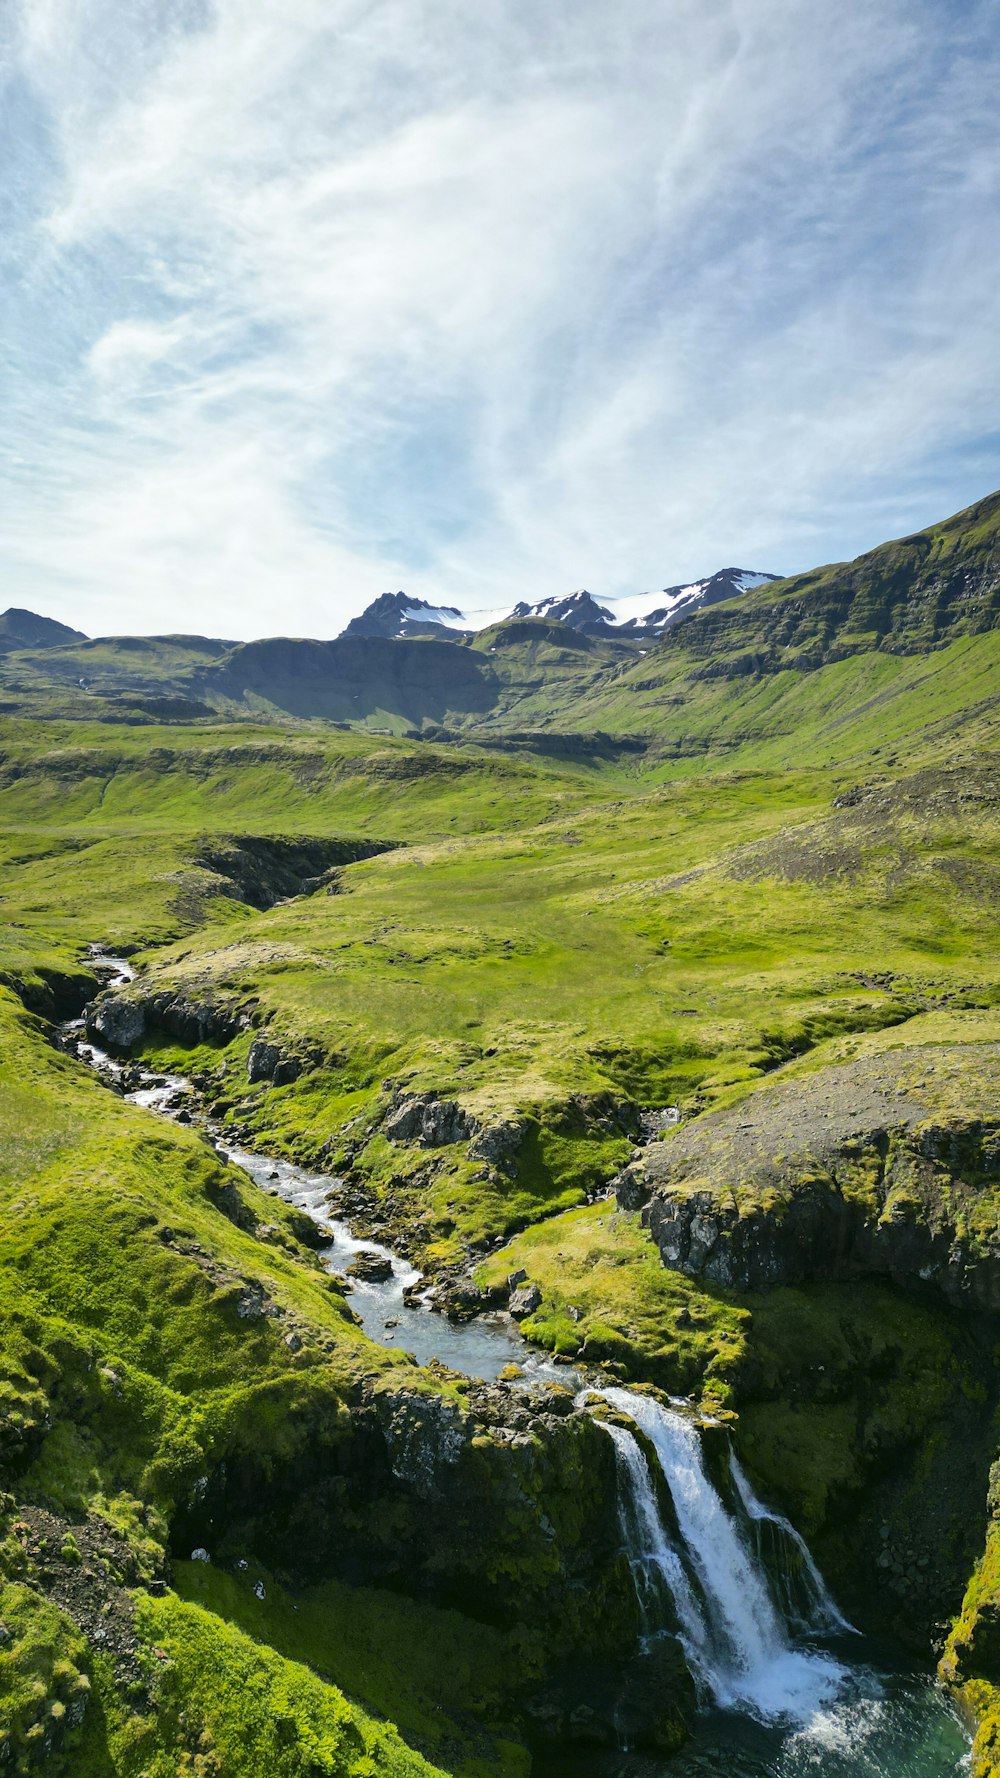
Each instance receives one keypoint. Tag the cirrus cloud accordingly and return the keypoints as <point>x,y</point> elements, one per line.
<point>484,302</point>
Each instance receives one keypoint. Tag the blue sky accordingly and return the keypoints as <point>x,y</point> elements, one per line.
<point>488,301</point>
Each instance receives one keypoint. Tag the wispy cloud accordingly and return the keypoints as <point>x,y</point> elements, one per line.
<point>486,302</point>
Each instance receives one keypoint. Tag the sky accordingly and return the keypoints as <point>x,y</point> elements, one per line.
<point>305,302</point>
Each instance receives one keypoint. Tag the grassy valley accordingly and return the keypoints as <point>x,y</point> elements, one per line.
<point>469,969</point>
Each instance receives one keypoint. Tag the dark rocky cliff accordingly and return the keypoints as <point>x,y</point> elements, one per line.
<point>887,1166</point>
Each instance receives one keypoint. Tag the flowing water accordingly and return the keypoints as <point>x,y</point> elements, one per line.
<point>480,1348</point>
<point>737,1638</point>
<point>785,1685</point>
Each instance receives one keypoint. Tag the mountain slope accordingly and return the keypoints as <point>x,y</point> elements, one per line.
<point>904,641</point>
<point>398,615</point>
<point>827,657</point>
<point>905,597</point>
<point>25,629</point>
<point>357,678</point>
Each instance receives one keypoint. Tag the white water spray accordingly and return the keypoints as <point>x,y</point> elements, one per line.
<point>805,1597</point>
<point>735,1634</point>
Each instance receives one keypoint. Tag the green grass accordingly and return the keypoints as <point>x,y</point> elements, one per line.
<point>445,1681</point>
<point>270,778</point>
<point>882,708</point>
<point>662,947</point>
<point>221,1703</point>
<point>43,1685</point>
<point>241,1706</point>
<point>607,1298</point>
<point>123,1276</point>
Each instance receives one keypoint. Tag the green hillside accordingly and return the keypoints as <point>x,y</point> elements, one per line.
<point>829,660</point>
<point>464,969</point>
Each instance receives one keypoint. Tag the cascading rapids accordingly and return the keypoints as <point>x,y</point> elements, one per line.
<point>737,1628</point>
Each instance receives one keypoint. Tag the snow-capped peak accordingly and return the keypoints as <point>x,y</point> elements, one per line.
<point>580,610</point>
<point>635,614</point>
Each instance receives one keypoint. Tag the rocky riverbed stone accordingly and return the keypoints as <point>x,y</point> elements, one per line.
<point>372,1268</point>
<point>524,1301</point>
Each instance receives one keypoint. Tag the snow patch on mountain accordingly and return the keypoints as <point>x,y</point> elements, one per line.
<point>634,614</point>
<point>448,616</point>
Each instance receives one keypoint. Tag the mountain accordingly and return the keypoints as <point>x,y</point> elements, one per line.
<point>579,610</point>
<point>399,616</point>
<point>675,601</point>
<point>738,661</point>
<point>638,614</point>
<point>643,614</point>
<point>26,629</point>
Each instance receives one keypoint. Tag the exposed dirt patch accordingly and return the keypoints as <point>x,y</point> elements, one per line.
<point>86,1569</point>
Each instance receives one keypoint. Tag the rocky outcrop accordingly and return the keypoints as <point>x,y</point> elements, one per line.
<point>884,1167</point>
<point>970,1665</point>
<point>263,869</point>
<point>116,1022</point>
<point>429,1122</point>
<point>498,1145</point>
<point>268,1061</point>
<point>524,1301</point>
<point>119,1020</point>
<point>263,1058</point>
<point>497,1502</point>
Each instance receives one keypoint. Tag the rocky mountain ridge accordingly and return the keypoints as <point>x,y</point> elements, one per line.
<point>640,615</point>
<point>569,663</point>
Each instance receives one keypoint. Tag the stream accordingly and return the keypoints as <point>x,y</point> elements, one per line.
<point>786,1687</point>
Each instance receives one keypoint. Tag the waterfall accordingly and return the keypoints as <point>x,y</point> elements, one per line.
<point>661,1582</point>
<point>738,1636</point>
<point>803,1593</point>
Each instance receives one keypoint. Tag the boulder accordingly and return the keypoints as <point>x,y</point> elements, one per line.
<point>525,1301</point>
<point>116,1022</point>
<point>630,1189</point>
<point>372,1268</point>
<point>263,1057</point>
<point>499,1144</point>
